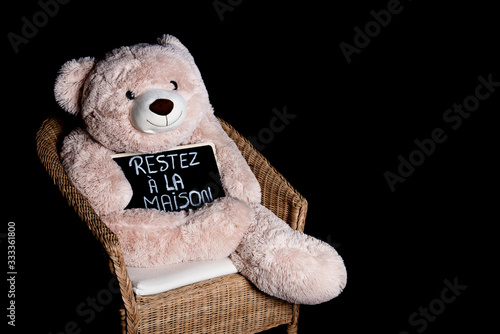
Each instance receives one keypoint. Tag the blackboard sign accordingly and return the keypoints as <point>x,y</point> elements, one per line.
<point>183,178</point>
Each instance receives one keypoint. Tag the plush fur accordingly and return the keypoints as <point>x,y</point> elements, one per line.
<point>278,260</point>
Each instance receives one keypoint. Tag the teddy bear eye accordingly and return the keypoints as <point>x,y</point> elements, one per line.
<point>175,84</point>
<point>130,95</point>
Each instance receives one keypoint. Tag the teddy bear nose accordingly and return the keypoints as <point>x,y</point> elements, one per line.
<point>161,107</point>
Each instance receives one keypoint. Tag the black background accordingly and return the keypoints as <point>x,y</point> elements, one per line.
<point>352,122</point>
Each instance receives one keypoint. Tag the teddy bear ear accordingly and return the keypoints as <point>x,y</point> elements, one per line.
<point>69,83</point>
<point>169,39</point>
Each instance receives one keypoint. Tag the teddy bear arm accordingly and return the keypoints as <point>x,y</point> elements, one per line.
<point>238,178</point>
<point>152,238</point>
<point>92,170</point>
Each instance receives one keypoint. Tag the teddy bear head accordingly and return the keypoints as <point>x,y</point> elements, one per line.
<point>143,98</point>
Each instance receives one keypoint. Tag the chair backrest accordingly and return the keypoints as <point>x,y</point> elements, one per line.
<point>277,193</point>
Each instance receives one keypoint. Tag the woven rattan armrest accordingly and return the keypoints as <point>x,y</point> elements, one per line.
<point>278,195</point>
<point>47,149</point>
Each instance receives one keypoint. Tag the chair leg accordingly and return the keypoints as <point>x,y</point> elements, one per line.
<point>123,318</point>
<point>293,327</point>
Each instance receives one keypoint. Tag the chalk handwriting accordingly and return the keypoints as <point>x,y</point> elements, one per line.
<point>173,180</point>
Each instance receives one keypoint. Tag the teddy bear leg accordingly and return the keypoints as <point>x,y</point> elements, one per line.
<point>289,264</point>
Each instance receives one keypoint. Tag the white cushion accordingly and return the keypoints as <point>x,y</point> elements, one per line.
<point>148,281</point>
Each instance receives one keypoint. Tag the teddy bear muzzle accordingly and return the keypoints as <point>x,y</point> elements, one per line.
<point>158,110</point>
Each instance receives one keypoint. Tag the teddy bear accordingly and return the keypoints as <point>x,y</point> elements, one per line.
<point>149,98</point>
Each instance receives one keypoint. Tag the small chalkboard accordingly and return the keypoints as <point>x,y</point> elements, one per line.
<point>183,178</point>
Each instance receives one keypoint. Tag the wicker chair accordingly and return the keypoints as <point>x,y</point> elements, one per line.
<point>227,304</point>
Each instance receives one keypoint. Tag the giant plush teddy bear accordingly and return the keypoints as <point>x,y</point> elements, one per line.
<point>149,98</point>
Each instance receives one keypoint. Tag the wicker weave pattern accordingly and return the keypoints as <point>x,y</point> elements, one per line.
<point>228,304</point>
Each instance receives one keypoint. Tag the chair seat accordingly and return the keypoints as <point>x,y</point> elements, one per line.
<point>149,281</point>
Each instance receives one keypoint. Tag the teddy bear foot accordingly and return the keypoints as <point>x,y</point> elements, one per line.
<point>288,264</point>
